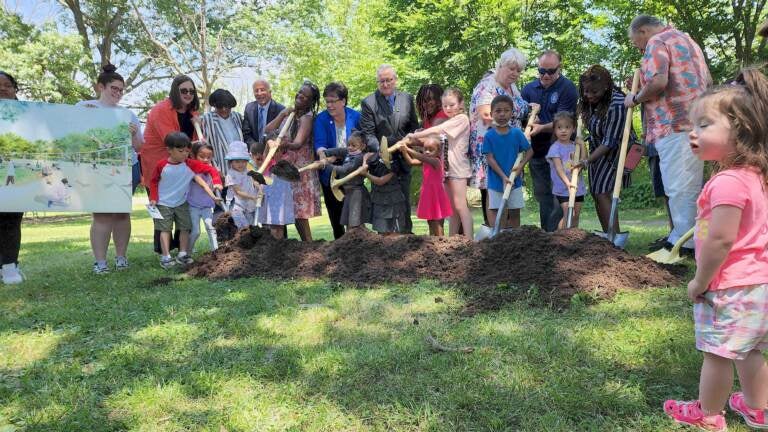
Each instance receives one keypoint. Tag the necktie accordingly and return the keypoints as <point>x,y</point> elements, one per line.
<point>262,120</point>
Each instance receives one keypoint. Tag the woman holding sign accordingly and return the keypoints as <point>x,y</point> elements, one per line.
<point>10,223</point>
<point>110,85</point>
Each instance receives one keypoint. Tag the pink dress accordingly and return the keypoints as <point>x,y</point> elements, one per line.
<point>306,192</point>
<point>433,200</point>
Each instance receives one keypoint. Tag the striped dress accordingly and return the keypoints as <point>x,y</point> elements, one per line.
<point>213,129</point>
<point>608,131</point>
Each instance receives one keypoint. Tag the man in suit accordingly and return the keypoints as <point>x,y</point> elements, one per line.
<point>390,113</point>
<point>260,112</point>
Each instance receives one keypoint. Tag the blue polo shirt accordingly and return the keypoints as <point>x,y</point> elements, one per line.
<point>560,96</point>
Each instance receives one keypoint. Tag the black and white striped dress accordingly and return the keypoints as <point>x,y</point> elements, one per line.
<point>608,130</point>
<point>213,129</point>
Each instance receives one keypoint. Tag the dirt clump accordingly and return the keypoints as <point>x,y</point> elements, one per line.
<point>516,264</point>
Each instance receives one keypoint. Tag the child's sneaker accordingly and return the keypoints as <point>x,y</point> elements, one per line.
<point>121,263</point>
<point>184,259</point>
<point>690,413</point>
<point>753,417</point>
<point>100,268</point>
<point>167,263</point>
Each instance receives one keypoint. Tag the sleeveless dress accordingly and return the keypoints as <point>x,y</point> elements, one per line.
<point>306,193</point>
<point>433,200</point>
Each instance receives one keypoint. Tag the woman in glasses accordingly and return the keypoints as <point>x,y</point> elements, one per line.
<point>501,81</point>
<point>110,85</point>
<point>175,113</point>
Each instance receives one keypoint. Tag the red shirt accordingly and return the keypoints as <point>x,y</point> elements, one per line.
<point>429,122</point>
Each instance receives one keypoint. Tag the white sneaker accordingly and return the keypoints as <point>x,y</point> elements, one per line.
<point>12,274</point>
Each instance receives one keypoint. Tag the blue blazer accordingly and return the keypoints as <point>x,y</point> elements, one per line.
<point>324,135</point>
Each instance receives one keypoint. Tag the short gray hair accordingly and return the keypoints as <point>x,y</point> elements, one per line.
<point>385,66</point>
<point>641,21</point>
<point>262,80</point>
<point>512,56</point>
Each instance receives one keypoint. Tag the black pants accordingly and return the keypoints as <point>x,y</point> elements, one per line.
<point>405,185</point>
<point>334,207</point>
<point>10,237</point>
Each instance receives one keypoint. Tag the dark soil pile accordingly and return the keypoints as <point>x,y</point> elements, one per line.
<point>516,264</point>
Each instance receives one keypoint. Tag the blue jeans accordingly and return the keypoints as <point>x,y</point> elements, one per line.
<point>550,212</point>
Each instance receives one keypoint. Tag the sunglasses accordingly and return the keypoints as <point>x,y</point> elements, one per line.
<point>545,71</point>
<point>187,91</point>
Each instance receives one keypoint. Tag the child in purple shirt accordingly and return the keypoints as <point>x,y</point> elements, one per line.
<point>200,204</point>
<point>560,156</point>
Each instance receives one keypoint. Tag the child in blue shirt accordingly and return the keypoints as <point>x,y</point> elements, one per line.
<point>501,146</point>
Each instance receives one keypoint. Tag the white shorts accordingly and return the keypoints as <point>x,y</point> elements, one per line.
<point>515,200</point>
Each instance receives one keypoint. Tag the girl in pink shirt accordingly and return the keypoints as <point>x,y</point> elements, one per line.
<point>730,289</point>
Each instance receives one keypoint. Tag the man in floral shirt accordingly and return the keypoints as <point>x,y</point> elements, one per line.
<point>673,75</point>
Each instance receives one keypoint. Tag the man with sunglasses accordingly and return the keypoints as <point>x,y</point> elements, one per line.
<point>554,93</point>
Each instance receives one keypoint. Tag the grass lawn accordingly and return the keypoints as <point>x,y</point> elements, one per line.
<point>119,352</point>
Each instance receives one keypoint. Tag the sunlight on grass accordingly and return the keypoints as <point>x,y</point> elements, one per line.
<point>22,348</point>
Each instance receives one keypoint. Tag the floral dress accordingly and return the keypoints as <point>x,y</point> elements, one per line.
<point>306,192</point>
<point>483,94</point>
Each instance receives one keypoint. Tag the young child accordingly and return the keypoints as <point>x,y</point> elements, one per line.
<point>730,288</point>
<point>434,205</point>
<point>388,209</point>
<point>501,146</point>
<point>168,192</point>
<point>560,157</point>
<point>356,210</point>
<point>276,209</point>
<point>459,169</point>
<point>200,204</point>
<point>10,173</point>
<point>242,192</point>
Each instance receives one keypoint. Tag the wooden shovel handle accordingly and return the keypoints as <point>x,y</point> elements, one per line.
<point>625,140</point>
<point>576,158</point>
<point>313,166</point>
<point>273,150</point>
<point>348,177</point>
<point>531,120</point>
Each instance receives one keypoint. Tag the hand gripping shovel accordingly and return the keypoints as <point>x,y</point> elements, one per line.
<point>512,175</point>
<point>620,239</point>
<point>575,172</point>
<point>336,183</point>
<point>385,151</point>
<point>671,256</point>
<point>273,149</point>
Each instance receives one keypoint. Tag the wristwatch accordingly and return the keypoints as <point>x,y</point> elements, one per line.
<point>634,99</point>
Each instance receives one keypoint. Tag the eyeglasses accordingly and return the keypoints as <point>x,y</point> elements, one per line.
<point>187,91</point>
<point>545,71</point>
<point>386,81</point>
<point>332,101</point>
<point>116,89</point>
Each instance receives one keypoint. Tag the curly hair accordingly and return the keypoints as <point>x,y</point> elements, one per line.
<point>595,75</point>
<point>426,93</point>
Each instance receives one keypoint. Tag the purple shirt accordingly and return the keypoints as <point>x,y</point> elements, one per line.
<point>197,197</point>
<point>565,153</point>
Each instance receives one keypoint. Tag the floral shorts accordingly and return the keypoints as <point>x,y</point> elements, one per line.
<point>732,322</point>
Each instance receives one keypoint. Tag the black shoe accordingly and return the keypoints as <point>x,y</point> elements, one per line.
<point>658,243</point>
<point>684,251</point>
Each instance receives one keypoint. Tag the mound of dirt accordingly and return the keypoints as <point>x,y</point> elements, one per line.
<point>520,263</point>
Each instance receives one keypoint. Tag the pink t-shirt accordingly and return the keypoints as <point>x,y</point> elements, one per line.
<point>747,262</point>
<point>457,131</point>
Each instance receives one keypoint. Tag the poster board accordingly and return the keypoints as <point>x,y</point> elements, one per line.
<point>63,158</point>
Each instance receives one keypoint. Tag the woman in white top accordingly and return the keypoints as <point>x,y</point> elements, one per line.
<point>110,86</point>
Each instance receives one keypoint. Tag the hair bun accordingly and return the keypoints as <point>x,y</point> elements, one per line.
<point>109,68</point>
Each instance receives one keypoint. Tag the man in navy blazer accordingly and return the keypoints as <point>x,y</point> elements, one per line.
<point>260,112</point>
<point>390,113</point>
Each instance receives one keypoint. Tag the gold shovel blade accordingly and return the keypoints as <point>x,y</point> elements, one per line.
<point>664,256</point>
